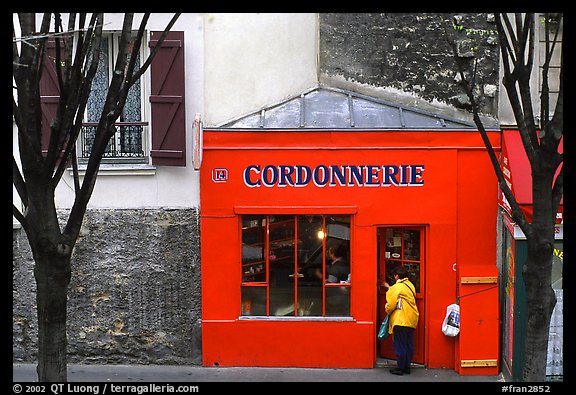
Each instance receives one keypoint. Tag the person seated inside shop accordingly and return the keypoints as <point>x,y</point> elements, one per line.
<point>338,269</point>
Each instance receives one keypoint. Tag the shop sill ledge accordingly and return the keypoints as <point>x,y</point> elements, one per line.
<point>282,318</point>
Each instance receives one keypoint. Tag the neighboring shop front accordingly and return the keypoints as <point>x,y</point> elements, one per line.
<point>417,190</point>
<point>514,252</point>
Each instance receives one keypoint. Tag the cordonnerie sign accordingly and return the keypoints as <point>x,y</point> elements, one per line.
<point>256,176</point>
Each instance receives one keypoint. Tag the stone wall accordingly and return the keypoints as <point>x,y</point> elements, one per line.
<point>409,53</point>
<point>135,292</point>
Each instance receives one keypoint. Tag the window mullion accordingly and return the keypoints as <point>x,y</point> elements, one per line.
<point>267,258</point>
<point>296,306</point>
<point>324,266</point>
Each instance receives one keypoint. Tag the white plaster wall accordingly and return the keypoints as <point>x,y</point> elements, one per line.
<point>253,60</point>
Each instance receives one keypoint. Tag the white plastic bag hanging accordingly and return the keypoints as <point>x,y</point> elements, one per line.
<point>451,324</point>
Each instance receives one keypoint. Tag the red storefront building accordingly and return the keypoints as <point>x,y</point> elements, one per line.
<point>389,184</point>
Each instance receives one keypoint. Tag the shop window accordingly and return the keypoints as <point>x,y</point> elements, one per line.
<point>295,265</point>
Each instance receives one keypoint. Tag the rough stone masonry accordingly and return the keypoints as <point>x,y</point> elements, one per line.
<point>134,295</point>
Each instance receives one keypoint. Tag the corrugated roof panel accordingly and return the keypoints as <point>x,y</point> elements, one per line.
<point>329,108</point>
<point>283,116</point>
<point>326,109</point>
<point>368,114</point>
<point>249,122</point>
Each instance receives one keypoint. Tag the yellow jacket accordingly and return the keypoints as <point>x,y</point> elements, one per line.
<point>408,315</point>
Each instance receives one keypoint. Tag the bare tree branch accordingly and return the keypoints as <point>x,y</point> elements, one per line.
<point>545,97</point>
<point>18,215</point>
<point>25,74</point>
<point>510,44</point>
<point>524,72</point>
<point>19,183</point>
<point>130,79</point>
<point>115,99</point>
<point>156,47</point>
<point>510,80</point>
<point>88,50</point>
<point>517,213</point>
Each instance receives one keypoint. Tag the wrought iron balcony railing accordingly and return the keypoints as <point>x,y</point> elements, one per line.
<point>128,141</point>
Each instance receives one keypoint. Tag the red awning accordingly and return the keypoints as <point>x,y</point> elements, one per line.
<point>518,174</point>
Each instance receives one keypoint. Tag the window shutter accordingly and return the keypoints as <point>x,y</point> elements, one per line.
<point>167,101</point>
<point>49,92</point>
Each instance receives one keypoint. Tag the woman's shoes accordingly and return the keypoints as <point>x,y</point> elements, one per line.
<point>400,372</point>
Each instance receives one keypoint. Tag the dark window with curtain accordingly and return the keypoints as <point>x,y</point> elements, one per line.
<point>129,142</point>
<point>161,134</point>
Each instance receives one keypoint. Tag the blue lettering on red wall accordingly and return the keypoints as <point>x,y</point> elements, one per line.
<point>282,176</point>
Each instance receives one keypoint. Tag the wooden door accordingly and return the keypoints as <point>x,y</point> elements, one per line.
<point>402,245</point>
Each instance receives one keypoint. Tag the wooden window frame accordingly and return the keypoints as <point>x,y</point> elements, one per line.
<point>266,282</point>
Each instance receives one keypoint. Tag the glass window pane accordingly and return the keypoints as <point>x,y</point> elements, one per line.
<point>310,240</point>
<point>132,108</point>
<point>253,261</point>
<point>99,89</point>
<point>282,269</point>
<point>414,274</point>
<point>253,300</point>
<point>337,265</point>
<point>129,140</point>
<point>393,243</point>
<point>338,227</point>
<point>402,249</point>
<point>412,245</point>
<point>337,301</point>
<point>337,248</point>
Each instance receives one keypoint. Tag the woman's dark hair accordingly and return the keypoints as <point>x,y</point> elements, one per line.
<point>401,271</point>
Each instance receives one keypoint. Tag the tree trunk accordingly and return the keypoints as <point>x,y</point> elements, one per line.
<point>537,274</point>
<point>540,302</point>
<point>52,279</point>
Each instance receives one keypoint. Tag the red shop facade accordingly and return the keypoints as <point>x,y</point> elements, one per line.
<point>388,185</point>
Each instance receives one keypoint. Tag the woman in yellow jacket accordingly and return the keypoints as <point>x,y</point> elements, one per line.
<point>401,306</point>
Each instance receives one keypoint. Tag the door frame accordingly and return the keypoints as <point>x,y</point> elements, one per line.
<point>384,348</point>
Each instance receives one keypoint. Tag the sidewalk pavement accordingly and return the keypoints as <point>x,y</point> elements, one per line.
<point>170,373</point>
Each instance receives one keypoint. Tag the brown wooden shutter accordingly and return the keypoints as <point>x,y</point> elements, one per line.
<point>167,101</point>
<point>49,92</point>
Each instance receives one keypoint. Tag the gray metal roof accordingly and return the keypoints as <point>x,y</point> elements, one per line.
<point>330,108</point>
